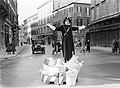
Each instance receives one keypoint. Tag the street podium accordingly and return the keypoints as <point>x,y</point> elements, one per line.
<point>59,72</point>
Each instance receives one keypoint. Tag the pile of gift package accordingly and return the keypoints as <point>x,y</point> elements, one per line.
<point>57,72</point>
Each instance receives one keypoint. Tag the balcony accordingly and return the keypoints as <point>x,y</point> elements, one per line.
<point>4,11</point>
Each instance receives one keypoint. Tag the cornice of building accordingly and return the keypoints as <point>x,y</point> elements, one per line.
<point>70,4</point>
<point>44,4</point>
<point>12,7</point>
<point>105,18</point>
<point>31,16</point>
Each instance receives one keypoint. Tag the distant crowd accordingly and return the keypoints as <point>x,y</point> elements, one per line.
<point>84,46</point>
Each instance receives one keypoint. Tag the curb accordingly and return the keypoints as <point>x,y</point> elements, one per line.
<point>20,51</point>
<point>14,55</point>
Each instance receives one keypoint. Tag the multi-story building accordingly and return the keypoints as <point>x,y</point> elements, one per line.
<point>54,11</point>
<point>31,26</point>
<point>78,11</point>
<point>22,37</point>
<point>34,27</point>
<point>4,13</point>
<point>45,16</point>
<point>8,23</point>
<point>105,22</point>
<point>12,21</point>
<point>25,27</point>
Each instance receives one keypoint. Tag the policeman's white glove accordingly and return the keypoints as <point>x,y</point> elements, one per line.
<point>51,26</point>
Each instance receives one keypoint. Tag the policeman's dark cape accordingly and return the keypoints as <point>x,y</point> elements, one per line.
<point>67,40</point>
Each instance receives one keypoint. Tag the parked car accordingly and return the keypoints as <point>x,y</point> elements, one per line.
<point>38,46</point>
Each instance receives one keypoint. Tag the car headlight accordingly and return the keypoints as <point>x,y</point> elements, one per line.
<point>35,46</point>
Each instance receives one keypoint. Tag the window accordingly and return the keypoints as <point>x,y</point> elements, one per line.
<point>87,11</point>
<point>119,5</point>
<point>79,9</point>
<point>71,9</point>
<point>79,22</point>
<point>97,12</point>
<point>88,21</point>
<point>104,9</point>
<point>92,14</point>
<point>75,9</point>
<point>64,11</point>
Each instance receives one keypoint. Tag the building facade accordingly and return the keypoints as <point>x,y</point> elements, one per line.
<point>22,37</point>
<point>54,12</point>
<point>45,15</point>
<point>34,27</point>
<point>105,22</point>
<point>25,27</point>
<point>8,23</point>
<point>4,13</point>
<point>79,13</point>
<point>31,27</point>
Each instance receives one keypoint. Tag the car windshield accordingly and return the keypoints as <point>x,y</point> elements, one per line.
<point>38,42</point>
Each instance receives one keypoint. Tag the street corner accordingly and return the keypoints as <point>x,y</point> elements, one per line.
<point>5,56</point>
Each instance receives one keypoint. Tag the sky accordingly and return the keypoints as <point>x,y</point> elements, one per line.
<point>27,8</point>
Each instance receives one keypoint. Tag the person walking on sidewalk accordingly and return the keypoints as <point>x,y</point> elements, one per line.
<point>116,46</point>
<point>13,47</point>
<point>59,46</point>
<point>113,46</point>
<point>8,49</point>
<point>21,44</point>
<point>88,45</point>
<point>119,45</point>
<point>53,47</point>
<point>83,46</point>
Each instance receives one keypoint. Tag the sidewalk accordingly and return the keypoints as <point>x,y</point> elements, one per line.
<point>106,49</point>
<point>5,55</point>
<point>99,49</point>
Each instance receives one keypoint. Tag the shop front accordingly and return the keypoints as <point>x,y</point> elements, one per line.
<point>102,33</point>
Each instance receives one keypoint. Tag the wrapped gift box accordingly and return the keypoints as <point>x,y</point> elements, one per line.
<point>71,77</point>
<point>54,79</point>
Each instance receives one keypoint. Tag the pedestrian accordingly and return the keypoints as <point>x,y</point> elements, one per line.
<point>53,47</point>
<point>78,43</point>
<point>116,46</point>
<point>119,45</point>
<point>88,45</point>
<point>83,46</point>
<point>13,47</point>
<point>8,49</point>
<point>113,46</point>
<point>59,46</point>
<point>21,44</point>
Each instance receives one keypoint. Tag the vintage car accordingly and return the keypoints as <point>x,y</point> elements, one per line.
<point>38,45</point>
